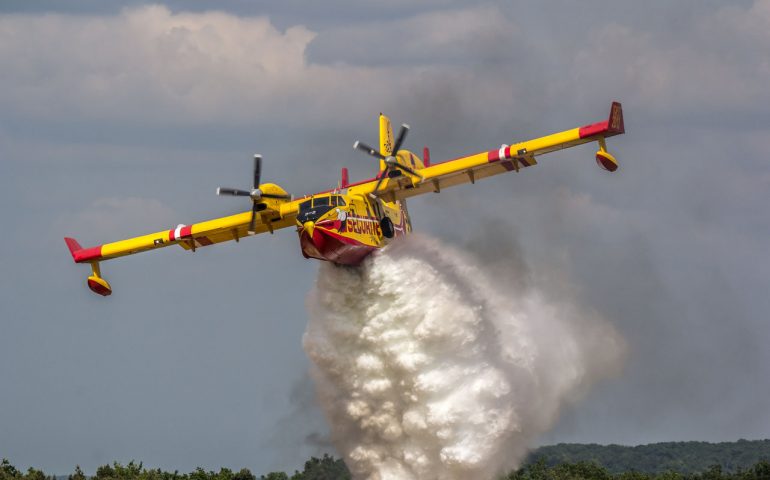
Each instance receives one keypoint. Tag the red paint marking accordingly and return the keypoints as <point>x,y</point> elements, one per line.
<point>185,231</point>
<point>341,238</point>
<point>88,254</point>
<point>345,179</point>
<point>171,236</point>
<point>97,287</point>
<point>493,156</point>
<point>614,125</point>
<point>80,254</point>
<point>426,156</point>
<point>73,245</point>
<point>594,129</point>
<point>606,163</point>
<point>332,248</point>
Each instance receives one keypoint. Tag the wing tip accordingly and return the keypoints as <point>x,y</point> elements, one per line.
<point>615,123</point>
<point>80,254</point>
<point>72,245</point>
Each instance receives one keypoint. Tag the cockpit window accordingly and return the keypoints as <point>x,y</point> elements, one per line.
<point>313,209</point>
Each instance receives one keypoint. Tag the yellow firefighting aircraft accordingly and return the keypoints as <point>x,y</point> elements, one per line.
<point>346,224</point>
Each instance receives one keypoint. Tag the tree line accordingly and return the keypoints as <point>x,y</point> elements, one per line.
<point>742,460</point>
<point>682,457</point>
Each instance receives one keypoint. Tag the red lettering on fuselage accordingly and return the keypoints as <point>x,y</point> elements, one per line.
<point>362,225</point>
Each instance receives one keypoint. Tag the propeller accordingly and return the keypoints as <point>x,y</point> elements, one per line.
<point>391,163</point>
<point>255,193</point>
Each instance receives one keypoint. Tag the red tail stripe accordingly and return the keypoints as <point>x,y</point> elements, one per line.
<point>87,254</point>
<point>594,129</point>
<point>80,254</point>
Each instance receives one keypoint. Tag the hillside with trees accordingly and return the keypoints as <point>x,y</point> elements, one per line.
<point>682,457</point>
<point>742,460</point>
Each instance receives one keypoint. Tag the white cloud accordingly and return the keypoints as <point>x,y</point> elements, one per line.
<point>151,66</point>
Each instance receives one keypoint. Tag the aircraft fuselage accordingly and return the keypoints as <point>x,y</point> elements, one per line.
<point>345,229</point>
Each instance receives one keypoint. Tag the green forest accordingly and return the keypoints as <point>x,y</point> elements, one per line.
<point>682,457</point>
<point>742,460</point>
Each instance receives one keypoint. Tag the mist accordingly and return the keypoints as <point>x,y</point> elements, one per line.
<point>427,367</point>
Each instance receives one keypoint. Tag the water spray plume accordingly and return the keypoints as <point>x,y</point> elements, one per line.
<point>428,369</point>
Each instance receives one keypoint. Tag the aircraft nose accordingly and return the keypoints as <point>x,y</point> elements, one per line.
<point>309,227</point>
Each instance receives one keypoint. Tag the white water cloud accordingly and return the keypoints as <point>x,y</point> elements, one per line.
<point>428,368</point>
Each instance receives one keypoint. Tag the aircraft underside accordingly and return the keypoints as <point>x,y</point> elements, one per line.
<point>333,247</point>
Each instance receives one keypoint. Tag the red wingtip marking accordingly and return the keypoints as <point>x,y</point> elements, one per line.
<point>615,122</point>
<point>80,254</point>
<point>73,245</point>
<point>612,126</point>
<point>594,129</point>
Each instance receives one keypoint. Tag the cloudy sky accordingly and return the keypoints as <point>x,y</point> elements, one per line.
<point>121,118</point>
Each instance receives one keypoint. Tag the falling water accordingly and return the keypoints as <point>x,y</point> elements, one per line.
<point>427,368</point>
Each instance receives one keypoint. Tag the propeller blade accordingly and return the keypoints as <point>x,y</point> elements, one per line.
<point>379,181</point>
<point>253,222</point>
<point>276,196</point>
<point>408,170</point>
<point>400,140</point>
<point>234,192</point>
<point>257,169</point>
<point>369,150</point>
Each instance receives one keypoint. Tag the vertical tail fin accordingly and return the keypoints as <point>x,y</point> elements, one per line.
<point>386,139</point>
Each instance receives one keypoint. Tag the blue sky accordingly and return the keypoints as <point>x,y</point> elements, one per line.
<point>118,119</point>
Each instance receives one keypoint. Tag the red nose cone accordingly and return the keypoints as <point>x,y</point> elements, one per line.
<point>606,161</point>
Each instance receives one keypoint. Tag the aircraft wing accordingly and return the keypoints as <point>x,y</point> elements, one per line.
<point>190,237</point>
<point>506,158</point>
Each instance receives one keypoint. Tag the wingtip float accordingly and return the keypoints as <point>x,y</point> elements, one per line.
<point>346,224</point>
